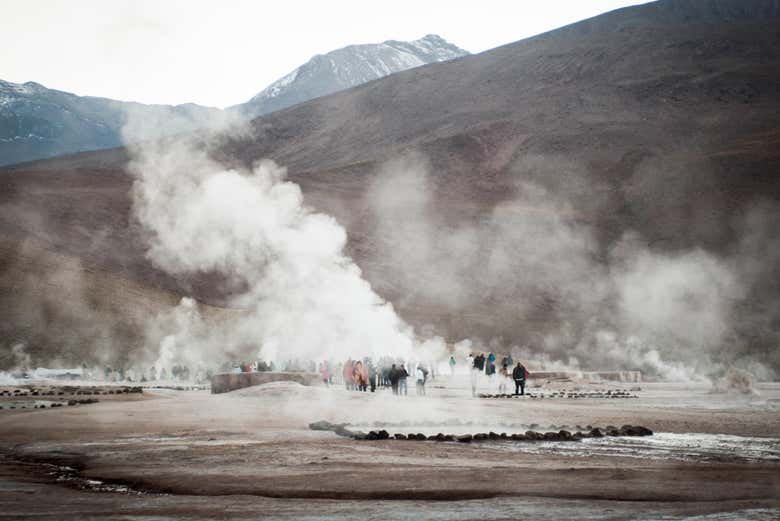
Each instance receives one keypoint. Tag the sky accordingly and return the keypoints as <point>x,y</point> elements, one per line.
<point>223,53</point>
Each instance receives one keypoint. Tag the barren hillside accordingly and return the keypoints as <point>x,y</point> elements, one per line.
<point>660,121</point>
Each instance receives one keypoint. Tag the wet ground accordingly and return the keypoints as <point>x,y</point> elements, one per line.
<point>249,454</point>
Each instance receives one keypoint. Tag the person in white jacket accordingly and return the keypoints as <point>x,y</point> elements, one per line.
<point>421,375</point>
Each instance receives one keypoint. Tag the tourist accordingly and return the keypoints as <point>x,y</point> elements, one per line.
<point>349,368</point>
<point>519,374</point>
<point>490,366</point>
<point>372,374</point>
<point>394,375</point>
<point>452,365</point>
<point>325,373</point>
<point>503,378</point>
<point>404,374</point>
<point>359,376</point>
<point>421,376</point>
<point>478,364</point>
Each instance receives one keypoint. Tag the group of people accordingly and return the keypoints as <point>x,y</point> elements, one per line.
<point>481,364</point>
<point>359,376</point>
<point>398,377</point>
<point>366,375</point>
<point>363,375</point>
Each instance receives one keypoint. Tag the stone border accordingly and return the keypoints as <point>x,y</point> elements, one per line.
<point>570,395</point>
<point>562,435</point>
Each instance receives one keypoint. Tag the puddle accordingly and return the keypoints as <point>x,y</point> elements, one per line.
<point>664,445</point>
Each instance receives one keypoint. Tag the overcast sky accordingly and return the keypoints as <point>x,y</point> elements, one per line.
<point>222,53</point>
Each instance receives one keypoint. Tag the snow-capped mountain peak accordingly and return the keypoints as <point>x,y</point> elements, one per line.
<point>348,67</point>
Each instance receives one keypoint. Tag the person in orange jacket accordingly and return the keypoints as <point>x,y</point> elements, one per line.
<point>359,376</point>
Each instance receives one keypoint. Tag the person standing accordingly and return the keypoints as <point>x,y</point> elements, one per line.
<point>359,377</point>
<point>518,375</point>
<point>478,364</point>
<point>349,368</point>
<point>452,363</point>
<point>490,368</point>
<point>372,375</point>
<point>421,375</point>
<point>502,378</point>
<point>404,374</point>
<point>394,375</point>
<point>325,373</point>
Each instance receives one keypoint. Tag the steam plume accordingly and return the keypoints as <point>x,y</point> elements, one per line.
<point>298,294</point>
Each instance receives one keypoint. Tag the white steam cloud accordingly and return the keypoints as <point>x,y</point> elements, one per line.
<point>297,293</point>
<point>531,277</point>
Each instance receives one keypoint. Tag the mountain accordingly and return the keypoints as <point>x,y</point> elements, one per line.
<point>348,67</point>
<point>37,122</point>
<point>638,147</point>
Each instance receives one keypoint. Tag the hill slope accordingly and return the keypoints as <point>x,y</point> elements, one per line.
<point>544,191</point>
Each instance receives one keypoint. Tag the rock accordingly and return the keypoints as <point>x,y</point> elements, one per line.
<point>634,430</point>
<point>383,434</point>
<point>577,436</point>
<point>564,435</point>
<point>372,435</point>
<point>493,435</point>
<point>596,433</point>
<point>342,431</point>
<point>480,436</point>
<point>400,436</point>
<point>72,402</point>
<point>532,435</point>
<point>464,438</point>
<point>551,436</point>
<point>612,431</point>
<point>518,437</point>
<point>449,437</point>
<point>321,425</point>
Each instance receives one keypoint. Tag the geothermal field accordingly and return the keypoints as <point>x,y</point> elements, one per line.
<point>534,279</point>
<point>251,453</point>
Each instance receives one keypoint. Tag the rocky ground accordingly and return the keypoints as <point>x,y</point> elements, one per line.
<point>167,454</point>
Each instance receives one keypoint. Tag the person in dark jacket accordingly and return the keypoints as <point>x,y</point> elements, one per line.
<point>404,374</point>
<point>394,375</point>
<point>518,375</point>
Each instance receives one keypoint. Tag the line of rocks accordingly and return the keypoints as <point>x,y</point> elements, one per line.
<point>468,423</point>
<point>562,435</point>
<point>53,405</point>
<point>69,390</point>
<point>571,395</point>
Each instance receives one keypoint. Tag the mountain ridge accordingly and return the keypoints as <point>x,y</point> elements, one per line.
<point>37,122</point>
